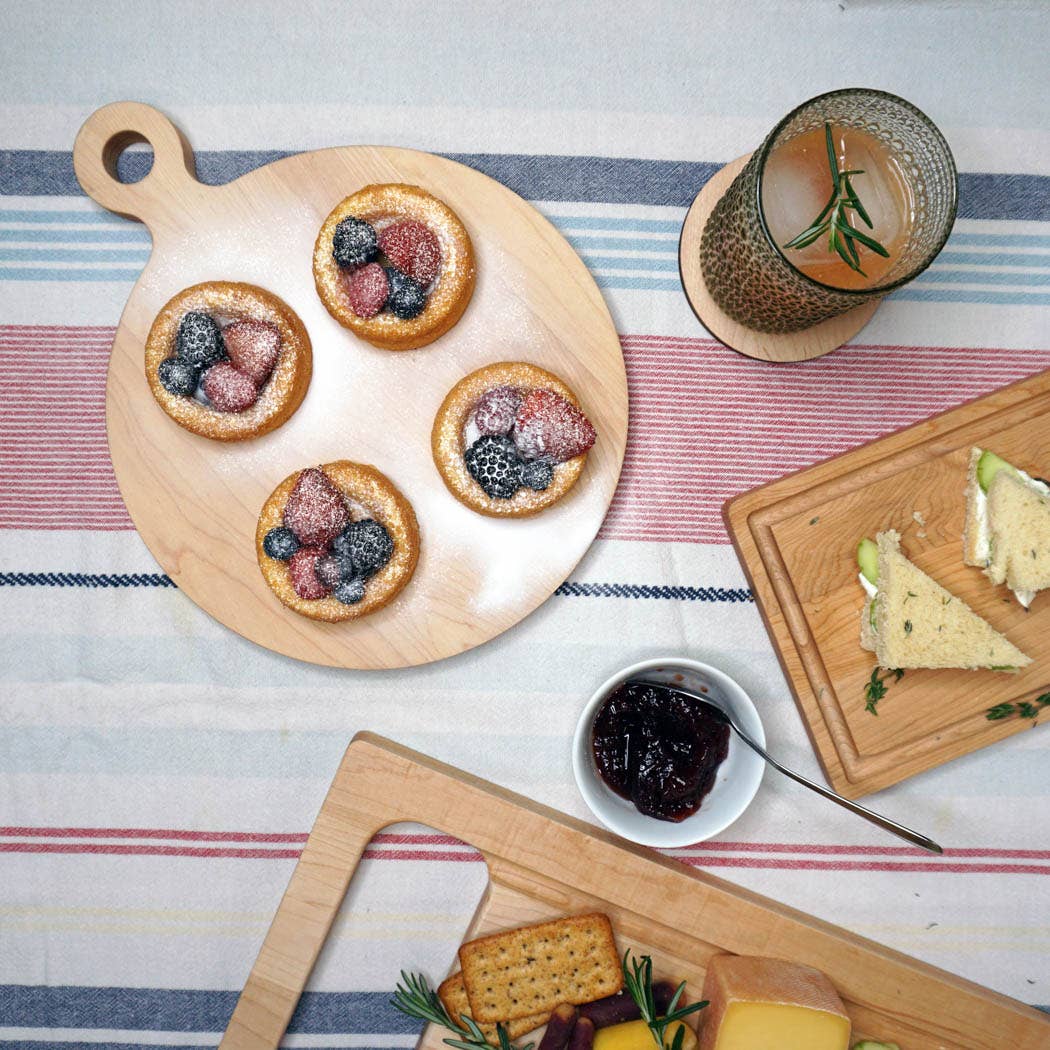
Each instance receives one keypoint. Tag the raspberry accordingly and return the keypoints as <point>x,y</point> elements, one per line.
<point>303,570</point>
<point>412,247</point>
<point>329,570</point>
<point>253,347</point>
<point>496,411</point>
<point>494,464</point>
<point>354,243</point>
<point>199,341</point>
<point>227,389</point>
<point>367,290</point>
<point>316,510</point>
<point>548,425</point>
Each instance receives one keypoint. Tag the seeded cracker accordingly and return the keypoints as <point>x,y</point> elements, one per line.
<point>454,998</point>
<point>532,969</point>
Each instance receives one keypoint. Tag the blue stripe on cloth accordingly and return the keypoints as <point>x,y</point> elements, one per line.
<point>958,295</point>
<point>569,589</point>
<point>990,259</point>
<point>935,275</point>
<point>189,1010</point>
<point>66,255</point>
<point>607,180</point>
<point>126,232</point>
<point>40,273</point>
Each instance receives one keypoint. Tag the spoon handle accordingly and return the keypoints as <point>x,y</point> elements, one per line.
<point>854,807</point>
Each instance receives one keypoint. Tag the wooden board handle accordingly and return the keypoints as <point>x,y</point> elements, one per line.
<point>171,182</point>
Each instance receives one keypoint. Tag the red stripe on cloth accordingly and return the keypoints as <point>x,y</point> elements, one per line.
<point>706,423</point>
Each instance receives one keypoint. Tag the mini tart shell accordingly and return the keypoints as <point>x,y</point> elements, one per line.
<point>281,394</point>
<point>447,299</point>
<point>377,494</point>
<point>448,445</point>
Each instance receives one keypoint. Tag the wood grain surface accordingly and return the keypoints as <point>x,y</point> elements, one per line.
<point>797,540</point>
<point>544,864</point>
<point>195,502</point>
<point>767,346</point>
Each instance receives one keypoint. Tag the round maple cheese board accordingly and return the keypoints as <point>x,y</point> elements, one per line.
<point>196,502</point>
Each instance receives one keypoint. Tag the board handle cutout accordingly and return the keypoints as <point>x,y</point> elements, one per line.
<point>106,134</point>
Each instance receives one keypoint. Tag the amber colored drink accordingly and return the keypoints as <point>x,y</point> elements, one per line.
<point>797,183</point>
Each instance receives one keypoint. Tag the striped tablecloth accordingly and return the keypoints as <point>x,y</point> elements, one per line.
<point>158,774</point>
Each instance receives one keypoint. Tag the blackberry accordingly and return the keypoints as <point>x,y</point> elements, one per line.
<point>354,243</point>
<point>407,297</point>
<point>199,341</point>
<point>366,544</point>
<point>280,543</point>
<point>178,377</point>
<point>537,474</point>
<point>494,464</point>
<point>350,592</point>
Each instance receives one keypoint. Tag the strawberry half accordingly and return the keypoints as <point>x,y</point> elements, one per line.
<point>316,511</point>
<point>302,568</point>
<point>367,289</point>
<point>412,247</point>
<point>549,426</point>
<point>227,389</point>
<point>253,347</point>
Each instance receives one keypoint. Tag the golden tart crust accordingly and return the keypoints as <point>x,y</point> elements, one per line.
<point>448,445</point>
<point>281,394</point>
<point>380,498</point>
<point>448,297</point>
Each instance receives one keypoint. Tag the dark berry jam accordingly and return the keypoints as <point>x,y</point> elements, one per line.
<point>658,749</point>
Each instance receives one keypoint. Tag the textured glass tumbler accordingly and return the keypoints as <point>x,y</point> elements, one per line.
<point>747,273</point>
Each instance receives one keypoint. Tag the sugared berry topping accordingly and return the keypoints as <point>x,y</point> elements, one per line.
<point>199,341</point>
<point>329,570</point>
<point>280,543</point>
<point>537,474</point>
<point>494,464</point>
<point>302,568</point>
<point>407,297</point>
<point>253,347</point>
<point>496,410</point>
<point>412,247</point>
<point>548,425</point>
<point>316,510</point>
<point>354,243</point>
<point>178,377</point>
<point>367,289</point>
<point>227,389</point>
<point>350,592</point>
<point>366,544</point>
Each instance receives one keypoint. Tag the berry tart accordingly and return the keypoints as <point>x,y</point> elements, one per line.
<point>228,361</point>
<point>510,439</point>
<point>394,265</point>
<point>337,542</point>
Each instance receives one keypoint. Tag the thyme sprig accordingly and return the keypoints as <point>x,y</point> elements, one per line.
<point>834,220</point>
<point>638,980</point>
<point>417,999</point>
<point>1023,709</point>
<point>875,689</point>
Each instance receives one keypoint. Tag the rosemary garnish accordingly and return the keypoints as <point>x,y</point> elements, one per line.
<point>875,690</point>
<point>834,221</point>
<point>638,979</point>
<point>1023,709</point>
<point>417,999</point>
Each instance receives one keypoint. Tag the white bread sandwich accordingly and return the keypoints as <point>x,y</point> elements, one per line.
<point>1007,525</point>
<point>910,620</point>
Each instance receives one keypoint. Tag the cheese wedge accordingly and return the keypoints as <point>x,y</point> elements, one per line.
<point>760,1004</point>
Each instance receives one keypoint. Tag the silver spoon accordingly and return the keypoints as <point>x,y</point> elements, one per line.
<point>854,807</point>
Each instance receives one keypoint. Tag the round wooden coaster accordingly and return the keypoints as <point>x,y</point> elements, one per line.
<point>196,502</point>
<point>767,346</point>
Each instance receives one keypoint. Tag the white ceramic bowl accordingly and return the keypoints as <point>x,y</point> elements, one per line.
<point>737,779</point>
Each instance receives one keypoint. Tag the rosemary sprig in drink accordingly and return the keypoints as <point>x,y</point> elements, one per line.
<point>417,999</point>
<point>638,980</point>
<point>834,221</point>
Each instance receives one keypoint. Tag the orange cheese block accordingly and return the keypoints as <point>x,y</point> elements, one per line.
<point>756,1004</point>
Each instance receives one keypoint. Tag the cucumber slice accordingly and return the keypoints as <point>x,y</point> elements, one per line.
<point>868,560</point>
<point>988,466</point>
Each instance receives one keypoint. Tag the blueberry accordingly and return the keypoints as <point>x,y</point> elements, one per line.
<point>354,243</point>
<point>407,297</point>
<point>178,377</point>
<point>280,543</point>
<point>537,474</point>
<point>199,341</point>
<point>366,544</point>
<point>494,464</point>
<point>350,592</point>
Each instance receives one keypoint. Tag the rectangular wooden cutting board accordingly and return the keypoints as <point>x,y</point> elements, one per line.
<point>797,540</point>
<point>542,864</point>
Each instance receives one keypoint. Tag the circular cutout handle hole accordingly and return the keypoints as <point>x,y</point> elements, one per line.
<point>125,163</point>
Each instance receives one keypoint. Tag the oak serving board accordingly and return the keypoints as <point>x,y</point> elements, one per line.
<point>544,864</point>
<point>195,502</point>
<point>797,540</point>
